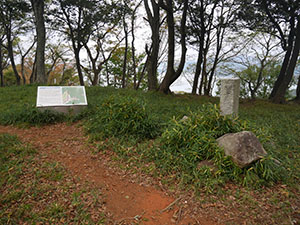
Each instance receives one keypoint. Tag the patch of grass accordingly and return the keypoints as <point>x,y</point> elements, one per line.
<point>35,191</point>
<point>122,117</point>
<point>29,115</point>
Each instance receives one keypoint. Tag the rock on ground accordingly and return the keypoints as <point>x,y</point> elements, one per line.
<point>243,147</point>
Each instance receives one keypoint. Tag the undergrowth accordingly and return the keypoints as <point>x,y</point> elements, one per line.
<point>120,116</point>
<point>31,116</point>
<point>186,143</point>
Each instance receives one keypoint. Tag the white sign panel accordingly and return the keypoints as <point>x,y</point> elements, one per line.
<point>61,96</point>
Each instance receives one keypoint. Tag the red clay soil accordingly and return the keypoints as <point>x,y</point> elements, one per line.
<point>126,199</point>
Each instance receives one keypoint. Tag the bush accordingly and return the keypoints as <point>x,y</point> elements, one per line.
<point>121,116</point>
<point>187,142</point>
<point>31,116</point>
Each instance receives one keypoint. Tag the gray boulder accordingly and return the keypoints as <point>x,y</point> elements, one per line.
<point>243,147</point>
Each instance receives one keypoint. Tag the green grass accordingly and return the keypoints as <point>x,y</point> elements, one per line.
<point>134,118</point>
<point>38,192</point>
<point>171,154</point>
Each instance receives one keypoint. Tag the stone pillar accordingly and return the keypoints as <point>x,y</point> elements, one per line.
<point>229,99</point>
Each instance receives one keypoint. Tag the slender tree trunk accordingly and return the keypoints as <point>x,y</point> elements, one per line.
<point>22,70</point>
<point>203,74</point>
<point>298,91</point>
<point>124,72</point>
<point>200,53</point>
<point>1,66</point>
<point>11,57</point>
<point>133,17</point>
<point>154,21</point>
<point>288,67</point>
<point>165,85</point>
<point>197,72</point>
<point>78,66</point>
<point>38,9</point>
<point>33,72</point>
<point>142,74</point>
<point>171,74</point>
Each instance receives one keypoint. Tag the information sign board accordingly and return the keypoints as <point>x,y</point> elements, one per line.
<point>60,96</point>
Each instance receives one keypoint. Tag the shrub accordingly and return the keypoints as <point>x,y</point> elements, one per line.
<point>30,115</point>
<point>121,116</point>
<point>187,142</point>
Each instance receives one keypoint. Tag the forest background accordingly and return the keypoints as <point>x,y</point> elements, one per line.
<point>151,45</point>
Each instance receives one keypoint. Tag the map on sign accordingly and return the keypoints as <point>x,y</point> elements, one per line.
<point>61,96</point>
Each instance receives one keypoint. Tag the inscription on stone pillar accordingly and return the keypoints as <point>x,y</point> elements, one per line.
<point>229,99</point>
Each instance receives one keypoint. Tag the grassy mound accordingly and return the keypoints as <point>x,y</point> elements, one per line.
<point>186,143</point>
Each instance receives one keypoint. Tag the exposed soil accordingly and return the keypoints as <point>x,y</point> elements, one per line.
<point>127,199</point>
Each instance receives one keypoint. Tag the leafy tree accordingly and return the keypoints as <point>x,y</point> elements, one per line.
<point>114,69</point>
<point>257,64</point>
<point>12,19</point>
<point>78,20</point>
<point>23,53</point>
<point>282,17</point>
<point>257,81</point>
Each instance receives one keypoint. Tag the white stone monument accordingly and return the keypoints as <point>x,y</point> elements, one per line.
<point>229,99</point>
<point>63,99</point>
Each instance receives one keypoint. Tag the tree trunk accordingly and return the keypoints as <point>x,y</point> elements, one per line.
<point>38,9</point>
<point>200,53</point>
<point>198,71</point>
<point>33,72</point>
<point>22,70</point>
<point>133,17</point>
<point>288,67</point>
<point>124,72</point>
<point>11,57</point>
<point>154,21</point>
<point>78,66</point>
<point>142,74</point>
<point>298,91</point>
<point>165,85</point>
<point>1,65</point>
<point>171,74</point>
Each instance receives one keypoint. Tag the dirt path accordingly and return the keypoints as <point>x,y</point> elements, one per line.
<point>125,198</point>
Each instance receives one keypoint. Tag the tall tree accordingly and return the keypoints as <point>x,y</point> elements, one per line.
<point>172,74</point>
<point>133,30</point>
<point>1,58</point>
<point>78,20</point>
<point>208,26</point>
<point>12,19</point>
<point>284,17</point>
<point>38,10</point>
<point>125,10</point>
<point>23,54</point>
<point>298,87</point>
<point>153,18</point>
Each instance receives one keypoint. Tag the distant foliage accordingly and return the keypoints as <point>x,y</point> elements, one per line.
<point>31,116</point>
<point>122,116</point>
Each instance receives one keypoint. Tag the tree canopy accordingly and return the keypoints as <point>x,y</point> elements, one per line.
<point>192,38</point>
